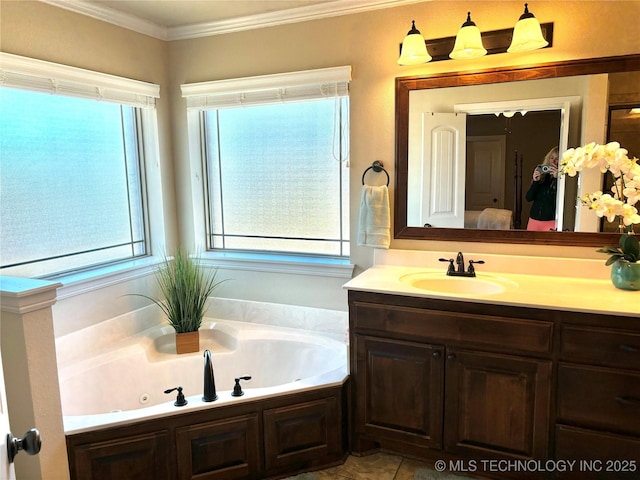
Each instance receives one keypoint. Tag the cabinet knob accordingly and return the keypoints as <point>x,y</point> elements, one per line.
<point>451,356</point>
<point>628,401</point>
<point>436,354</point>
<point>628,348</point>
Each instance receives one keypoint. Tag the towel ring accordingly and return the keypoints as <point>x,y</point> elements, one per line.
<point>377,167</point>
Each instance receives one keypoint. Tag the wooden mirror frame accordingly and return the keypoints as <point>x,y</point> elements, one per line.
<point>404,85</point>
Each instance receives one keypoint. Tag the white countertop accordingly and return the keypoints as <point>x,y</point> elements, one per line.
<point>539,291</point>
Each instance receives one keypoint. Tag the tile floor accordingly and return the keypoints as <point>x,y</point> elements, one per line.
<point>379,466</point>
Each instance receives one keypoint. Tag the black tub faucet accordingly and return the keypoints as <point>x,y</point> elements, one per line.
<point>237,390</point>
<point>180,400</point>
<point>460,262</point>
<point>209,389</point>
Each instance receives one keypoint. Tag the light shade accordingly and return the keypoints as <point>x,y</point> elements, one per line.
<point>527,34</point>
<point>414,49</point>
<point>468,42</point>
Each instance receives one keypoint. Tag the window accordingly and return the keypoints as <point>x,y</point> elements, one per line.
<point>72,180</point>
<point>275,162</point>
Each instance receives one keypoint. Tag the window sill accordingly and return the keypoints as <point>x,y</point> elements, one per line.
<point>291,264</point>
<point>78,283</point>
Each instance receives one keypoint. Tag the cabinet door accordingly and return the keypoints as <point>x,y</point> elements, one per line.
<point>220,450</point>
<point>399,391</point>
<point>496,404</point>
<point>302,435</point>
<point>142,456</point>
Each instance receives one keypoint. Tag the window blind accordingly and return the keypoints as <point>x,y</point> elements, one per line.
<point>37,75</point>
<point>268,89</point>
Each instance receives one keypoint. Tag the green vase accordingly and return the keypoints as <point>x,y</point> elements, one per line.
<point>625,275</point>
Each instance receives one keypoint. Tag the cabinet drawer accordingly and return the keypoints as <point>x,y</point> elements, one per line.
<point>601,346</point>
<point>597,454</point>
<point>436,325</point>
<point>599,397</point>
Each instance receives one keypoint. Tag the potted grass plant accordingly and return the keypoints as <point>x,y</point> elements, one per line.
<point>185,287</point>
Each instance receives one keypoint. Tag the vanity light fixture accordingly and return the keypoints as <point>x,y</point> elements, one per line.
<point>527,34</point>
<point>414,48</point>
<point>468,42</point>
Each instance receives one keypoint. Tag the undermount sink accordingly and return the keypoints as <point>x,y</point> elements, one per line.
<point>441,283</point>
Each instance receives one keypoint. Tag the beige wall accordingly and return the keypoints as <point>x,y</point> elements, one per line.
<point>367,41</point>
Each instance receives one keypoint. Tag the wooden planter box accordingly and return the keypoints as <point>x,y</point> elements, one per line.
<point>187,342</point>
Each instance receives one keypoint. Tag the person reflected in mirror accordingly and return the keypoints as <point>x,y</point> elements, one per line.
<point>542,193</point>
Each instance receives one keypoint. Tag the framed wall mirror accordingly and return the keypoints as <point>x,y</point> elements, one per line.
<point>509,119</point>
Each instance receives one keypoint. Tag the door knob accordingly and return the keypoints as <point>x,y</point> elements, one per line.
<point>30,443</point>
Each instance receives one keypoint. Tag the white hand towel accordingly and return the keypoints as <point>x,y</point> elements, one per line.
<point>374,222</point>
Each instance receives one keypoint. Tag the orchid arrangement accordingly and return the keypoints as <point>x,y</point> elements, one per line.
<point>625,192</point>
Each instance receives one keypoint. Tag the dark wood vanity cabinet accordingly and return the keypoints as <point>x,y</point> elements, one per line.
<point>428,376</point>
<point>492,402</point>
<point>444,379</point>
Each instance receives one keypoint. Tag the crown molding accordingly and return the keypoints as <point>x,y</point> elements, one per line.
<point>115,17</point>
<point>294,15</point>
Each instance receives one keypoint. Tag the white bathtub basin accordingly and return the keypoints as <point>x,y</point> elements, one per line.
<point>129,380</point>
<point>439,282</point>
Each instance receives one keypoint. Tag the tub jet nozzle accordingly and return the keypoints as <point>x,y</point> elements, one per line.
<point>209,389</point>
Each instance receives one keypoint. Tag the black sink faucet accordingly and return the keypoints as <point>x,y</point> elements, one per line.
<point>460,272</point>
<point>460,263</point>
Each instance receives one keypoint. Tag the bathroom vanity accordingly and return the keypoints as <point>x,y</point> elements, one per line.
<point>504,375</point>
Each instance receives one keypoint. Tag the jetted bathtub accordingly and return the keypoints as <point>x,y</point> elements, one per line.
<point>125,383</point>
